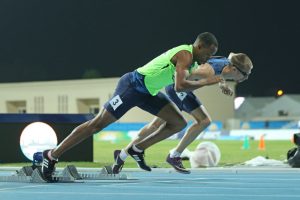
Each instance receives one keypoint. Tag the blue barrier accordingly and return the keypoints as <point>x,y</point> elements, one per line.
<point>50,118</point>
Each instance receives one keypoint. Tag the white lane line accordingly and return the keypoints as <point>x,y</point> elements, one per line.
<point>162,194</point>
<point>221,178</point>
<point>200,187</point>
<point>20,187</point>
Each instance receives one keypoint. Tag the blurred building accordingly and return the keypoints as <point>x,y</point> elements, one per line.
<point>89,95</point>
<point>270,112</point>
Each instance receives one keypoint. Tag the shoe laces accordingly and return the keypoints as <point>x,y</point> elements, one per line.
<point>178,161</point>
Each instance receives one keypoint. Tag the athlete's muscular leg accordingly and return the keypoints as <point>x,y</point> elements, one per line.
<point>147,130</point>
<point>83,131</point>
<point>174,122</point>
<point>203,120</point>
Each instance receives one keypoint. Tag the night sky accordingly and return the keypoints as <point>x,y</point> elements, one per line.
<point>56,40</point>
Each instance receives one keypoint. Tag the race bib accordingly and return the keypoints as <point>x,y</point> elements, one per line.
<point>181,95</point>
<point>115,102</point>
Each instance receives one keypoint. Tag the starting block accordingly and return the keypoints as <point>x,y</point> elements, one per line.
<point>70,174</point>
<point>25,171</point>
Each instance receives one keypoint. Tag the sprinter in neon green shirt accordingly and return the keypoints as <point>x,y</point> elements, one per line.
<point>141,88</point>
<point>160,71</point>
<point>236,67</point>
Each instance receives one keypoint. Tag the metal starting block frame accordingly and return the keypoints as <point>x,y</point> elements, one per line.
<point>70,174</point>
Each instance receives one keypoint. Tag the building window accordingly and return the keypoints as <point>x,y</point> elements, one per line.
<point>88,105</point>
<point>62,104</point>
<point>16,107</point>
<point>39,104</point>
<point>94,109</point>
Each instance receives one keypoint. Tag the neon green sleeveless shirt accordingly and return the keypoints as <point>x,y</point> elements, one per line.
<point>160,71</point>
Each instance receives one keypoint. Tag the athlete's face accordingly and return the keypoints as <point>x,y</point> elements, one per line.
<point>241,75</point>
<point>205,52</point>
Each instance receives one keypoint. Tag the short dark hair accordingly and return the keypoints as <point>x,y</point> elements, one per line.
<point>207,39</point>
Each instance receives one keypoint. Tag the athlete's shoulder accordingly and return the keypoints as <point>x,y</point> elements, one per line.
<point>218,63</point>
<point>183,47</point>
<point>218,59</point>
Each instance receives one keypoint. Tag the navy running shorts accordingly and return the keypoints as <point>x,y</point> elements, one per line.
<point>131,92</point>
<point>185,101</point>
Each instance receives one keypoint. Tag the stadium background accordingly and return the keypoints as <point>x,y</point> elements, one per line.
<point>72,40</point>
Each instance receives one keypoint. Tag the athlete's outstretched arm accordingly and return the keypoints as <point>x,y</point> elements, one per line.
<point>204,71</point>
<point>183,60</point>
<point>201,71</point>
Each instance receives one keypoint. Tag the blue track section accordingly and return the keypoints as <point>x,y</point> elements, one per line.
<point>166,184</point>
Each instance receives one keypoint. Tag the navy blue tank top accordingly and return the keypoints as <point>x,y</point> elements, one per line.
<point>218,64</point>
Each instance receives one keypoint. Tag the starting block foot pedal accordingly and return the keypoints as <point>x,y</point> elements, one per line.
<point>25,171</point>
<point>106,170</point>
<point>71,171</point>
<point>37,177</point>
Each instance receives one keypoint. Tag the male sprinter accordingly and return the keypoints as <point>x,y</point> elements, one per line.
<point>236,67</point>
<point>141,88</point>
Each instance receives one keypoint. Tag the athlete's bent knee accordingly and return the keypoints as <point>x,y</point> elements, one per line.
<point>205,122</point>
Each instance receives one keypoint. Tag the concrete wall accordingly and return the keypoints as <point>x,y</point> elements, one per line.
<point>80,96</point>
